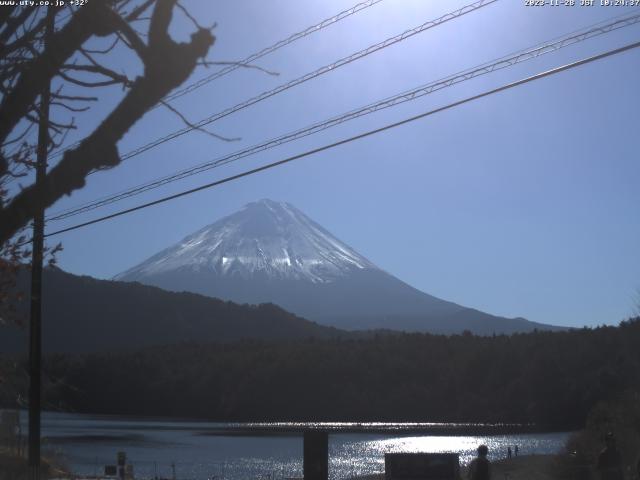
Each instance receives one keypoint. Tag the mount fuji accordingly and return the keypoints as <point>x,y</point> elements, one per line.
<point>271,252</point>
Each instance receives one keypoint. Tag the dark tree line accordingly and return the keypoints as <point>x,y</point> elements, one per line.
<point>83,314</point>
<point>551,379</point>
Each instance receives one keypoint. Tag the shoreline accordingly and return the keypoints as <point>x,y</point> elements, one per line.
<point>395,429</point>
<point>209,427</point>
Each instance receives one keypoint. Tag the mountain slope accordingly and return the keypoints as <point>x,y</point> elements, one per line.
<point>271,252</point>
<point>82,314</point>
<point>265,239</point>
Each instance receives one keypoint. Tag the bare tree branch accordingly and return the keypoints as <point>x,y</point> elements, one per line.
<point>104,51</point>
<point>74,98</point>
<point>196,127</point>
<point>189,16</point>
<point>13,23</point>
<point>131,37</point>
<point>23,40</point>
<point>69,107</point>
<point>82,83</point>
<point>5,14</point>
<point>85,23</point>
<point>99,69</point>
<point>167,65</point>
<point>19,137</point>
<point>135,14</point>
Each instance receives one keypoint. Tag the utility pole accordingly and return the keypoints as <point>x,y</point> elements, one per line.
<point>35,324</point>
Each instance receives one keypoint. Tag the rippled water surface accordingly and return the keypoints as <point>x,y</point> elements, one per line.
<point>201,450</point>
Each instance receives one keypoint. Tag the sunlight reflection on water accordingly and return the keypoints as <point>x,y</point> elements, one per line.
<point>352,457</point>
<point>90,442</point>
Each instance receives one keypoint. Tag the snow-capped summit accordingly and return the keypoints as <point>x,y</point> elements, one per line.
<point>266,238</point>
<point>272,252</point>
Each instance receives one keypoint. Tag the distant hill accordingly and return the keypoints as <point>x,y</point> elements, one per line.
<point>82,314</point>
<point>272,252</point>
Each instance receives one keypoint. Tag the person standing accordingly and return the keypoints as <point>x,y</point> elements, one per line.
<point>609,463</point>
<point>509,451</point>
<point>516,450</point>
<point>480,467</point>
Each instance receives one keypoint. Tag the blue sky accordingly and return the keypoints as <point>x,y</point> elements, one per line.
<point>524,203</point>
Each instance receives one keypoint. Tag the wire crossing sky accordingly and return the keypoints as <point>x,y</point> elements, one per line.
<point>451,80</point>
<point>521,204</point>
<point>272,48</point>
<point>254,56</point>
<point>351,139</point>
<point>329,68</point>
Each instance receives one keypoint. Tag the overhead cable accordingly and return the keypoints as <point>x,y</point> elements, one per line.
<point>266,51</point>
<point>257,55</point>
<point>311,75</point>
<point>369,133</point>
<point>485,68</point>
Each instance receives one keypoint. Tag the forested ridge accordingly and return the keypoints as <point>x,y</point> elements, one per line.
<point>551,379</point>
<point>83,314</point>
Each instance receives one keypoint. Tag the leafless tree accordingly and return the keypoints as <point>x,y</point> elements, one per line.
<point>26,71</point>
<point>68,57</point>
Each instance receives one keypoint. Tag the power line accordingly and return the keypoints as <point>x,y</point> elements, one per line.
<point>266,51</point>
<point>311,75</point>
<point>327,68</point>
<point>257,55</point>
<point>488,67</point>
<point>251,58</point>
<point>355,137</point>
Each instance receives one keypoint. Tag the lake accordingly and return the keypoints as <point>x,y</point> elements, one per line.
<point>204,450</point>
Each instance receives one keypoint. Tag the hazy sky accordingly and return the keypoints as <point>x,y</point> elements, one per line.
<point>524,203</point>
